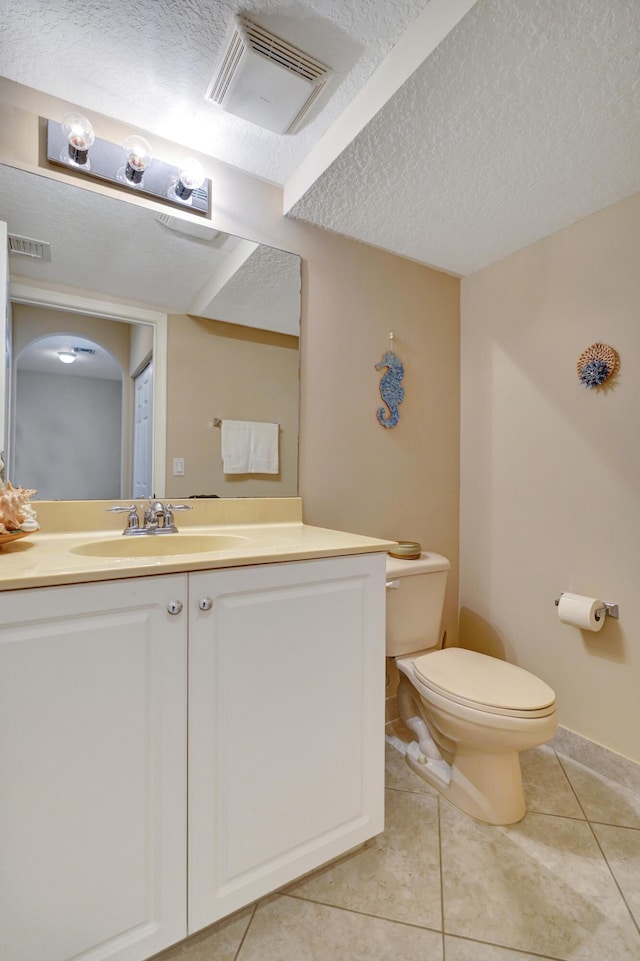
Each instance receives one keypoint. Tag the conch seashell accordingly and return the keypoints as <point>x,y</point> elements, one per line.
<point>30,519</point>
<point>13,501</point>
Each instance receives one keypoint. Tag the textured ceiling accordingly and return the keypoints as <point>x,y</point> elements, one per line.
<point>524,119</point>
<point>266,287</point>
<point>149,63</point>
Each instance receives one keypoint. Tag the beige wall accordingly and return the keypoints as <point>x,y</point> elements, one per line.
<point>400,483</point>
<point>551,472</point>
<point>226,371</point>
<point>354,474</point>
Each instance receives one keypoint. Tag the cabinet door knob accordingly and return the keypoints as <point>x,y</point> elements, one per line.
<point>205,603</point>
<point>174,607</point>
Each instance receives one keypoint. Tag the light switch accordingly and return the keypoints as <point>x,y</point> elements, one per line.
<point>178,466</point>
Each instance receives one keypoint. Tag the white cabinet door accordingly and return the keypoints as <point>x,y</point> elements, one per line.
<point>286,724</point>
<point>92,771</point>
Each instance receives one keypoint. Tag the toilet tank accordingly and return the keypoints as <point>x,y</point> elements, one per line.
<point>415,597</point>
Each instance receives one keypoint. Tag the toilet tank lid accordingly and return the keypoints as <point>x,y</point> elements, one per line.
<point>427,563</point>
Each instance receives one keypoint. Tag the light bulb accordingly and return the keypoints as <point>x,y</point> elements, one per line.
<point>80,137</point>
<point>66,356</point>
<point>190,176</point>
<point>139,153</point>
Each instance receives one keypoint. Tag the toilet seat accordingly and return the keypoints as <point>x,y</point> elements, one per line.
<point>483,683</point>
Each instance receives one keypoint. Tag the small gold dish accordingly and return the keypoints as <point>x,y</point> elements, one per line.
<point>406,550</point>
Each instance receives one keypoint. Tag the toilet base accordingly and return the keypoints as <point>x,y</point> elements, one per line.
<point>488,787</point>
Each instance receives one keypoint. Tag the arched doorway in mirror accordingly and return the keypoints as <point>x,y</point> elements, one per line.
<point>67,440</point>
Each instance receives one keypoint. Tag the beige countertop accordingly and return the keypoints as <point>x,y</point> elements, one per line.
<point>57,555</point>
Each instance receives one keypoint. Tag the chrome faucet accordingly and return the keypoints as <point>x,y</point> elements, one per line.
<point>157,518</point>
<point>153,515</point>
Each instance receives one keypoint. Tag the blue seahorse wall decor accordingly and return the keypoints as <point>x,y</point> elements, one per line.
<point>391,390</point>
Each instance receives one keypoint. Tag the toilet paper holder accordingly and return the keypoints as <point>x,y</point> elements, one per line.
<point>609,610</point>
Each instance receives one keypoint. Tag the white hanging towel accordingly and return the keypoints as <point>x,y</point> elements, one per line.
<point>249,447</point>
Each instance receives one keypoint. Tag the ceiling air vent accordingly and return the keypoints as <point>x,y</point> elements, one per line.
<point>26,247</point>
<point>266,80</point>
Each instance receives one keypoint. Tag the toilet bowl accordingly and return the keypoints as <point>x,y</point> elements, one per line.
<point>471,714</point>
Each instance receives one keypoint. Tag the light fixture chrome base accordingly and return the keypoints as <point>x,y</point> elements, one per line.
<point>105,162</point>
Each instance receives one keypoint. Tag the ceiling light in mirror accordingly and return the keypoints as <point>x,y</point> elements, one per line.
<point>66,356</point>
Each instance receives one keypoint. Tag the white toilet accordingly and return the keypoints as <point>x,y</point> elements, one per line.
<point>471,714</point>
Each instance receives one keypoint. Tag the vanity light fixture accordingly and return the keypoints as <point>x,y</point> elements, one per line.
<point>182,186</point>
<point>191,176</point>
<point>66,356</point>
<point>79,137</point>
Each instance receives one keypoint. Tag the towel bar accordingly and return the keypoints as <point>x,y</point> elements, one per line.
<point>217,422</point>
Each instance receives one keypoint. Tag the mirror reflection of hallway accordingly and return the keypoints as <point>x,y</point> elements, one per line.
<point>69,392</point>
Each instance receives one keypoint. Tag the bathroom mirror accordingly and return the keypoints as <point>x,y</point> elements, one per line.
<point>217,315</point>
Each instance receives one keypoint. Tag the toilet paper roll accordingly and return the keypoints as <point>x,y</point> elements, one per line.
<point>580,611</point>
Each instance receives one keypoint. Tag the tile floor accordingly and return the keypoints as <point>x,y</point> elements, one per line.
<point>564,883</point>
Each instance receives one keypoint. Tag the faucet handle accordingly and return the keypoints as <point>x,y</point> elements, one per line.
<point>133,521</point>
<point>169,522</point>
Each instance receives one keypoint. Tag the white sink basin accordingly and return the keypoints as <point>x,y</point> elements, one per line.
<point>159,545</point>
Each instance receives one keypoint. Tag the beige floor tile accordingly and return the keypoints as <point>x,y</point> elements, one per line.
<point>603,800</point>
<point>546,788</point>
<point>287,929</point>
<point>540,886</point>
<point>621,847</point>
<point>459,950</point>
<point>400,777</point>
<point>220,942</point>
<point>397,876</point>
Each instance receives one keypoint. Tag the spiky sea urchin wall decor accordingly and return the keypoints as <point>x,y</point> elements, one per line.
<point>596,364</point>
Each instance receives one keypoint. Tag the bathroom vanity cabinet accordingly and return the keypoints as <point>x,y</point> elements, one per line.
<point>241,709</point>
